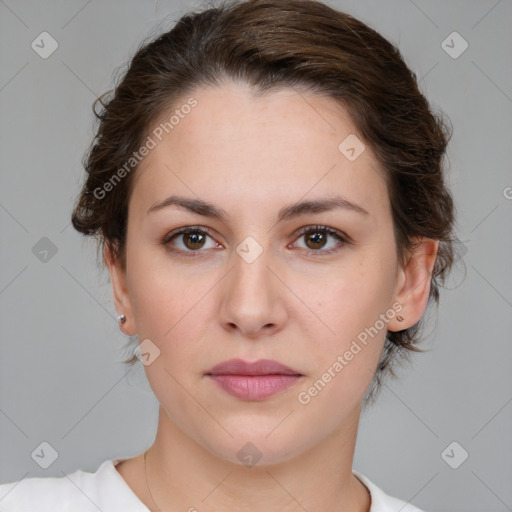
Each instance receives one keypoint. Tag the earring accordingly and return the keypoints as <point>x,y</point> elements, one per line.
<point>400,318</point>
<point>121,318</point>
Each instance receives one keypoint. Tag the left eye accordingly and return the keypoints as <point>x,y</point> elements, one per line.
<point>317,236</point>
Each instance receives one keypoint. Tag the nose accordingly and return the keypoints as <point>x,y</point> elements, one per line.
<point>253,297</point>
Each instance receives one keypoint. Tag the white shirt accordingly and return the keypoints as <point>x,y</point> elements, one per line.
<point>107,491</point>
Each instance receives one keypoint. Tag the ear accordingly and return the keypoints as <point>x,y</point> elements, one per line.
<point>413,285</point>
<point>119,287</point>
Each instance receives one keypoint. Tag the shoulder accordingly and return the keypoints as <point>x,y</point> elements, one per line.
<point>382,502</point>
<point>47,494</point>
<point>80,491</point>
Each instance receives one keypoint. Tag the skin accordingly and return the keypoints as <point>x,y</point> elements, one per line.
<point>251,157</point>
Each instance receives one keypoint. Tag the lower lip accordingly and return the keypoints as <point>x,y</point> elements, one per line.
<point>254,387</point>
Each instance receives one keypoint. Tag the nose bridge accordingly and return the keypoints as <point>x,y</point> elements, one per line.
<point>251,275</point>
<point>252,299</point>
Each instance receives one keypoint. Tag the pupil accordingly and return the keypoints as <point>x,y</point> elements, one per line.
<point>193,237</point>
<point>318,238</point>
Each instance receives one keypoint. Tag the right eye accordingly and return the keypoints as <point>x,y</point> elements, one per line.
<point>192,240</point>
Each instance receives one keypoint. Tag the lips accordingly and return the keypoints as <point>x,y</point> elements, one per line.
<point>260,367</point>
<point>253,381</point>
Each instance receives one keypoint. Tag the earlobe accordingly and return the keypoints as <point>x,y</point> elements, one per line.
<point>120,291</point>
<point>413,286</point>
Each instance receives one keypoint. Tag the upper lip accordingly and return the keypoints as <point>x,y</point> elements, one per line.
<point>260,367</point>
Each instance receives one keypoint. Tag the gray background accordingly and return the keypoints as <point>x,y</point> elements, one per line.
<point>61,380</point>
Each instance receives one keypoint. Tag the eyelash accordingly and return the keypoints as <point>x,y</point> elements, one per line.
<point>343,239</point>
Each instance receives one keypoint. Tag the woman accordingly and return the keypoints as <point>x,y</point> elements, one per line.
<point>268,191</point>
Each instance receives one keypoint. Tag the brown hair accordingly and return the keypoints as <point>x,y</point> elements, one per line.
<point>272,44</point>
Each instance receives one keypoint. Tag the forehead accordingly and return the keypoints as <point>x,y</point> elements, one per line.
<point>233,146</point>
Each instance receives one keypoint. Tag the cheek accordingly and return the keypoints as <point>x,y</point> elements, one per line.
<point>355,304</point>
<point>173,306</point>
<point>161,294</point>
<point>354,300</point>
<point>343,369</point>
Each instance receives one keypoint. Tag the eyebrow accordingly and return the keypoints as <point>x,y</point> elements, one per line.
<point>294,210</point>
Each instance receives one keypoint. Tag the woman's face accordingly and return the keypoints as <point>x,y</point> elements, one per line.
<point>249,285</point>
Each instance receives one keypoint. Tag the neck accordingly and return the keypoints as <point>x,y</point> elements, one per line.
<point>183,475</point>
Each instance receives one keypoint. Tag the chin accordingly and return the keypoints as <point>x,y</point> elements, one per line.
<point>259,444</point>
